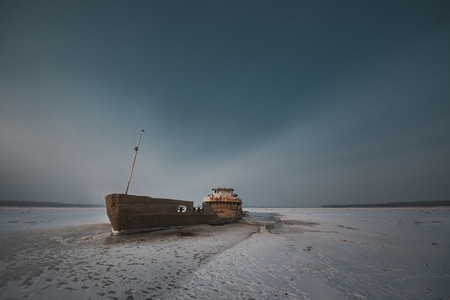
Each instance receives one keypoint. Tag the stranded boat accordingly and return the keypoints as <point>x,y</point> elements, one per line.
<point>130,213</point>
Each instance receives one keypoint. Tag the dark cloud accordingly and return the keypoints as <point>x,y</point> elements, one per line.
<point>292,103</point>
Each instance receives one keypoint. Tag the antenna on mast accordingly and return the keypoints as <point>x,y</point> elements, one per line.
<point>134,160</point>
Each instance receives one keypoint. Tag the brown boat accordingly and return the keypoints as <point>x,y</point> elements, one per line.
<point>131,213</point>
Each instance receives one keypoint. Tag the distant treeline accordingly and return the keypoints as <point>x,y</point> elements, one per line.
<point>394,204</point>
<point>43,204</point>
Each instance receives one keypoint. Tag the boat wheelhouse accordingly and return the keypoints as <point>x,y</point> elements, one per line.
<point>224,200</point>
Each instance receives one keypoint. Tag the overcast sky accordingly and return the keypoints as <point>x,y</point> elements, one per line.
<point>292,103</point>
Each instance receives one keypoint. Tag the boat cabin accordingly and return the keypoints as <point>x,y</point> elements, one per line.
<point>224,198</point>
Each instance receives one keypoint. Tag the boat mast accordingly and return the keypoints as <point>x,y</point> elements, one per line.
<point>134,160</point>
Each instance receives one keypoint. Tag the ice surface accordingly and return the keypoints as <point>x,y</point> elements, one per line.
<point>30,218</point>
<point>396,253</point>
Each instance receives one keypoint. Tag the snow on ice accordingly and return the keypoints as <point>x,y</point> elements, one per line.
<point>320,253</point>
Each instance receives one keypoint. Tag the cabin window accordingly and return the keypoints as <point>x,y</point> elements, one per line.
<point>181,209</point>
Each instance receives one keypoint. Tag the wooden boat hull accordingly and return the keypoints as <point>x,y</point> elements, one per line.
<point>131,213</point>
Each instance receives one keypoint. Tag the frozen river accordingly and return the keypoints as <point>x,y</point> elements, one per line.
<point>14,219</point>
<point>323,253</point>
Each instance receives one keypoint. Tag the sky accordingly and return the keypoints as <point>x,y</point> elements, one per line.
<point>291,103</point>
